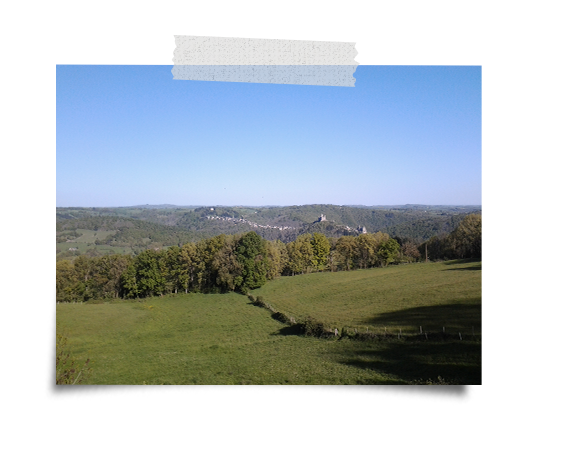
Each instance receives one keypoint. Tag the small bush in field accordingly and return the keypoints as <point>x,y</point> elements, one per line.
<point>281,317</point>
<point>313,328</point>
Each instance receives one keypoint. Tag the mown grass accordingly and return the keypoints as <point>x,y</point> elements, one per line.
<point>434,296</point>
<point>223,339</point>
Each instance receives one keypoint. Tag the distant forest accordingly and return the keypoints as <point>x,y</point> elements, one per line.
<point>196,259</point>
<point>135,229</point>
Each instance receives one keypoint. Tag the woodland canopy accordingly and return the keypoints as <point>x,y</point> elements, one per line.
<point>242,262</point>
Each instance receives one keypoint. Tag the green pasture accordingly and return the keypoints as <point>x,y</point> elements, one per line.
<point>83,247</point>
<point>223,339</point>
<point>434,295</point>
<point>86,241</point>
<point>199,339</point>
<point>89,236</point>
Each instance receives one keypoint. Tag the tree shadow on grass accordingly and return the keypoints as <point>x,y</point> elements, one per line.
<point>459,315</point>
<point>460,269</point>
<point>452,352</point>
<point>456,362</point>
<point>455,265</point>
<point>290,330</point>
<point>448,356</point>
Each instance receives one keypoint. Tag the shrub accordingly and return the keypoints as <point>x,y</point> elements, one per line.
<point>313,328</point>
<point>281,317</point>
<point>66,371</point>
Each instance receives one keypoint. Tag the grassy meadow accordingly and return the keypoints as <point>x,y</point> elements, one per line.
<point>86,241</point>
<point>224,339</point>
<point>404,297</point>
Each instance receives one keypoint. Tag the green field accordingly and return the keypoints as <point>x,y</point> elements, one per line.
<point>223,339</point>
<point>89,235</point>
<point>86,241</point>
<point>433,295</point>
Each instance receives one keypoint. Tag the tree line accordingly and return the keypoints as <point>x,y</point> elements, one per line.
<point>242,262</point>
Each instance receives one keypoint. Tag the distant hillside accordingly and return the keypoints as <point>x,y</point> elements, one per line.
<point>142,227</point>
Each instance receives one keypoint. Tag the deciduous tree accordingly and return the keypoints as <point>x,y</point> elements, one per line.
<point>387,252</point>
<point>320,247</point>
<point>252,255</point>
<point>346,248</point>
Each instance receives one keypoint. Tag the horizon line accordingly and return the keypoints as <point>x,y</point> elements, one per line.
<point>265,205</point>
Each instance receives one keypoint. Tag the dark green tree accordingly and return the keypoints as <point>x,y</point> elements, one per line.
<point>227,267</point>
<point>252,256</point>
<point>84,271</point>
<point>66,281</point>
<point>173,269</point>
<point>107,272</point>
<point>188,267</point>
<point>149,274</point>
<point>128,282</point>
<point>206,274</point>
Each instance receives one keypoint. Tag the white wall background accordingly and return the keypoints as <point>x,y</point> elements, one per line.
<point>524,122</point>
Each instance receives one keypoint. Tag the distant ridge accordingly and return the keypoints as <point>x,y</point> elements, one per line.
<point>159,206</point>
<point>370,207</point>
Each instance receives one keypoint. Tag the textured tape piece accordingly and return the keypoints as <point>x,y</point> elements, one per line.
<point>264,61</point>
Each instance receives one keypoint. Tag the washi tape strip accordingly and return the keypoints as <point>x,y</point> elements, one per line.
<point>268,61</point>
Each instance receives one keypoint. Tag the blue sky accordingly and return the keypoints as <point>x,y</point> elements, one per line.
<point>129,135</point>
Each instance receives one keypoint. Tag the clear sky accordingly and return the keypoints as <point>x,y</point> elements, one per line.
<point>130,135</point>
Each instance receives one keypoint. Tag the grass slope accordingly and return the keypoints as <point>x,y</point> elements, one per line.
<point>200,339</point>
<point>405,297</point>
<point>223,339</point>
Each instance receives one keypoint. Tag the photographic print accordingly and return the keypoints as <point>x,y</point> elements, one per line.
<point>259,233</point>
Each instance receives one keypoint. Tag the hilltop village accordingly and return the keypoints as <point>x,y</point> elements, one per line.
<point>359,229</point>
<point>250,223</point>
